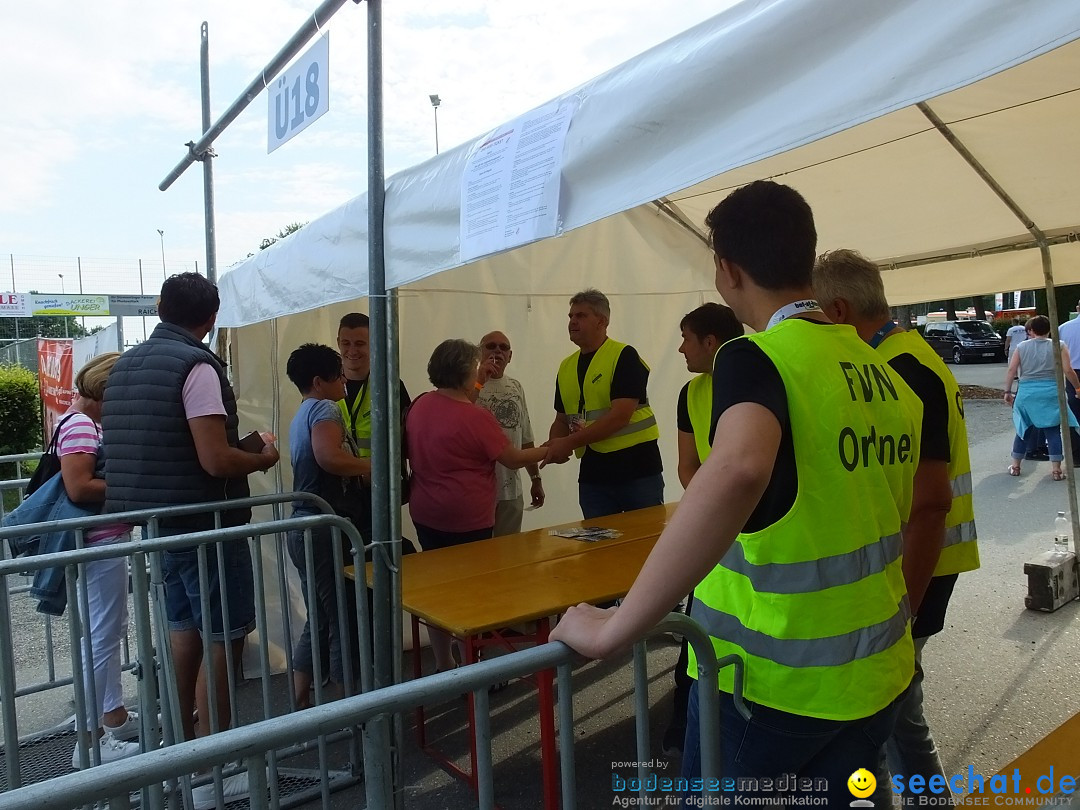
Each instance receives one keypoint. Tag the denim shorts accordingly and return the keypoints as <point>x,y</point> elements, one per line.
<point>183,604</point>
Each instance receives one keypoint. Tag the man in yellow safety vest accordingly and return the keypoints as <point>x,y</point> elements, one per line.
<point>602,416</point>
<point>939,538</point>
<point>790,530</point>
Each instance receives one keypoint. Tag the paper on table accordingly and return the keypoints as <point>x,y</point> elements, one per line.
<point>587,534</point>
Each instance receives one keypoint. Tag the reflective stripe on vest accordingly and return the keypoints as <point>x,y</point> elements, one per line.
<point>595,400</point>
<point>960,551</point>
<point>799,653</point>
<point>358,421</point>
<point>815,575</point>
<point>815,603</point>
<point>699,407</point>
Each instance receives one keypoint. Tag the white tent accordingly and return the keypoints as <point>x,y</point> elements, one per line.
<point>855,104</point>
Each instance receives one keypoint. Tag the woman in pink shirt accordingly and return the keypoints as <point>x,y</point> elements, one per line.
<point>106,581</point>
<point>453,446</point>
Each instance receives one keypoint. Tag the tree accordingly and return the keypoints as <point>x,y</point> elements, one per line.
<point>291,228</point>
<point>51,326</point>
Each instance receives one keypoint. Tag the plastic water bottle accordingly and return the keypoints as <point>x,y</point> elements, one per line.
<point>1062,530</point>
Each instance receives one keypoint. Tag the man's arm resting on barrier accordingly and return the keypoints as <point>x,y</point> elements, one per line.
<point>218,457</point>
<point>720,499</point>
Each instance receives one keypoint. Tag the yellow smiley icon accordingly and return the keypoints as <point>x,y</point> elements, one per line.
<point>861,783</point>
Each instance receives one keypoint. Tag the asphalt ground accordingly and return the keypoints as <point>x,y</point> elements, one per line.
<point>998,678</point>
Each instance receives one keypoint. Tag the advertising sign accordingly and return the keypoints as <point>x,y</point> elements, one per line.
<point>133,305</point>
<point>14,305</point>
<point>56,381</point>
<point>88,305</point>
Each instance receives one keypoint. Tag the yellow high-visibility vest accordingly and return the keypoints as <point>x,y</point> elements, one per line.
<point>595,400</point>
<point>815,604</point>
<point>961,549</point>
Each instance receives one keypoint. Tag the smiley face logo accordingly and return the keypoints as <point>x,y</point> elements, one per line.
<point>861,783</point>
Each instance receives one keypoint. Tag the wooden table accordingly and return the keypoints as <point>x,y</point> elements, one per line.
<point>475,590</point>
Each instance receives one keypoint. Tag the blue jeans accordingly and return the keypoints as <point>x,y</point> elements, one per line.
<point>183,604</point>
<point>598,500</point>
<point>774,744</point>
<point>1053,443</point>
<point>910,749</point>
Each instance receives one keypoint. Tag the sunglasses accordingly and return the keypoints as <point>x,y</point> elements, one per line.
<point>504,347</point>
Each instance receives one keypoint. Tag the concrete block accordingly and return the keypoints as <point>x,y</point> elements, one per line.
<point>1052,581</point>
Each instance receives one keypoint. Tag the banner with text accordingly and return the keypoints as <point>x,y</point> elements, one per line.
<point>56,380</point>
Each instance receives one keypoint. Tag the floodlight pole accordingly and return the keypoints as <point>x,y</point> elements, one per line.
<point>207,158</point>
<point>435,102</point>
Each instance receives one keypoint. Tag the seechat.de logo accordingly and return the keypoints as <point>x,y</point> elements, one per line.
<point>861,784</point>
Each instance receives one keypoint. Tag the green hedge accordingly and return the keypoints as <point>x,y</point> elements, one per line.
<point>20,412</point>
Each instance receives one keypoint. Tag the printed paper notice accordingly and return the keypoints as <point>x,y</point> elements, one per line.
<point>510,190</point>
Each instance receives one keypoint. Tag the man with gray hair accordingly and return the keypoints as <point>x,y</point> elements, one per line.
<point>939,538</point>
<point>602,416</point>
<point>504,397</point>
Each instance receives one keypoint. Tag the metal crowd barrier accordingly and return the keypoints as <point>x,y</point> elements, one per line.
<point>154,655</point>
<point>256,743</point>
<point>50,680</point>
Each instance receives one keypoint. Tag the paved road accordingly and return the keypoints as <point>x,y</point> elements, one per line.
<point>991,375</point>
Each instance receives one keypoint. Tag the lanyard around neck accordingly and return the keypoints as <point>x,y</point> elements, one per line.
<point>880,334</point>
<point>803,307</point>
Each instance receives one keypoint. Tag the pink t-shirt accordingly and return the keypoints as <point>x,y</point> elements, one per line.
<point>202,392</point>
<point>452,450</point>
<point>80,434</point>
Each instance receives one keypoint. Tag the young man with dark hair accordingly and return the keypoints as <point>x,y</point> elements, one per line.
<point>790,530</point>
<point>354,344</point>
<point>324,463</point>
<point>704,331</point>
<point>170,437</point>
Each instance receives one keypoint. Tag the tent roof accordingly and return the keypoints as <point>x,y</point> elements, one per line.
<point>829,96</point>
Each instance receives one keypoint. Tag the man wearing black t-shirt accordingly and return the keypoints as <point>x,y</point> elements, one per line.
<point>789,532</point>
<point>602,415</point>
<point>939,538</point>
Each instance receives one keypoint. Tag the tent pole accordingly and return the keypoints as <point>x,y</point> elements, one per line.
<point>1051,299</point>
<point>378,774</point>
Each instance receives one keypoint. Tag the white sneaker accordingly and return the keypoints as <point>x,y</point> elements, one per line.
<point>110,750</point>
<point>233,788</point>
<point>128,730</point>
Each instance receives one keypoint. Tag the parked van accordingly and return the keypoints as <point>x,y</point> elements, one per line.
<point>965,341</point>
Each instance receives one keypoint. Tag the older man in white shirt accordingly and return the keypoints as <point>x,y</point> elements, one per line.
<point>1069,333</point>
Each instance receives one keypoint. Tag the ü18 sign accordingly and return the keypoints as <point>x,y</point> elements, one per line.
<point>299,95</point>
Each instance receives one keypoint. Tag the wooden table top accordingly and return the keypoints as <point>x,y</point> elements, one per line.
<point>489,584</point>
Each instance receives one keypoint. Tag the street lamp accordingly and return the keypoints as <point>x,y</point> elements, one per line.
<point>164,273</point>
<point>435,102</point>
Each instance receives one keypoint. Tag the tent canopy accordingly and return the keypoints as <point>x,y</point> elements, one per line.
<point>820,94</point>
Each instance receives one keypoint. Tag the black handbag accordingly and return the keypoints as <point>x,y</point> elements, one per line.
<point>49,465</point>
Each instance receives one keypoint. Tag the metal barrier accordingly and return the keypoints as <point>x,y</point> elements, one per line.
<point>152,638</point>
<point>252,743</point>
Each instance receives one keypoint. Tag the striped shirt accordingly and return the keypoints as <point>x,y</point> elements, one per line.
<point>80,434</point>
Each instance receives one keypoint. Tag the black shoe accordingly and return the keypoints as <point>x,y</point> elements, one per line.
<point>673,740</point>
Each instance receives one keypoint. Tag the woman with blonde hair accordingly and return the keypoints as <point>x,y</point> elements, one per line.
<point>106,581</point>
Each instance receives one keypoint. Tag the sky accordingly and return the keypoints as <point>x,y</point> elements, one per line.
<point>101,97</point>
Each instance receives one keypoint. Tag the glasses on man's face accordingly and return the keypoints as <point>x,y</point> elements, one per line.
<point>502,347</point>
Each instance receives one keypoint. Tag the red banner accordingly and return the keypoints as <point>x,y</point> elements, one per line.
<point>57,381</point>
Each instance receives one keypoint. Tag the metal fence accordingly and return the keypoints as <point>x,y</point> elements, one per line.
<point>36,763</point>
<point>43,754</point>
<point>256,744</point>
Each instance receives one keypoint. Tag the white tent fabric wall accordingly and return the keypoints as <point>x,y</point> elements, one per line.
<point>534,321</point>
<point>819,93</point>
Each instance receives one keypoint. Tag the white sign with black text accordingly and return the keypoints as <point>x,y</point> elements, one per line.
<point>299,95</point>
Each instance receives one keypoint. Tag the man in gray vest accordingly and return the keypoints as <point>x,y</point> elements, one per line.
<point>170,438</point>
